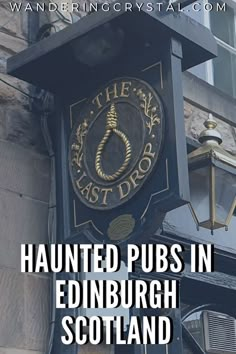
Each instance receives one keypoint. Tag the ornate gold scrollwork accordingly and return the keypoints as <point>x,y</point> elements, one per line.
<point>78,148</point>
<point>148,109</point>
<point>111,127</point>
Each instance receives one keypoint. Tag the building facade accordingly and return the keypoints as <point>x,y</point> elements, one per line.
<point>26,187</point>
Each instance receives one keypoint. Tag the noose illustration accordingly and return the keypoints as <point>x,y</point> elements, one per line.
<point>111,128</point>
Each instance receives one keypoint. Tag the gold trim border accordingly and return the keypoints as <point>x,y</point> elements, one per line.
<point>84,223</point>
<point>161,71</point>
<point>71,106</point>
<point>162,191</point>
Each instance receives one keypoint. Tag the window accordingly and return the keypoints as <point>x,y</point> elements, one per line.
<point>223,27</point>
<point>221,71</point>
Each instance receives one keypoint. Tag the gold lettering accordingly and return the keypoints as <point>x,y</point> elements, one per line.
<point>112,91</point>
<point>80,179</point>
<point>143,169</point>
<point>96,100</point>
<point>86,190</point>
<point>147,150</point>
<point>123,193</point>
<point>134,177</point>
<point>125,86</point>
<point>94,195</point>
<point>105,191</point>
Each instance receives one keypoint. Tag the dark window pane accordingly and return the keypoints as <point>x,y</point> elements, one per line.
<point>225,71</point>
<point>223,25</point>
<point>194,326</point>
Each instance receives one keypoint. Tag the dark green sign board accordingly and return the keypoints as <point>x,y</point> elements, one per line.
<point>114,147</point>
<point>122,146</point>
<point>118,132</point>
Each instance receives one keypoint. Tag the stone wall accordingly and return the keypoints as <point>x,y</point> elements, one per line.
<point>194,119</point>
<point>24,194</point>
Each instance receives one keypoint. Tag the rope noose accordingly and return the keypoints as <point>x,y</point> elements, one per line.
<point>111,127</point>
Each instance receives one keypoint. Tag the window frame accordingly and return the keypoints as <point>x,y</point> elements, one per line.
<point>226,46</point>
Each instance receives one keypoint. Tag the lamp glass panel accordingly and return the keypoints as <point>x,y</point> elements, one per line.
<point>199,193</point>
<point>225,189</point>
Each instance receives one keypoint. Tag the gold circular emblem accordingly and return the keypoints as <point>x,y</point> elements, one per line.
<point>115,143</point>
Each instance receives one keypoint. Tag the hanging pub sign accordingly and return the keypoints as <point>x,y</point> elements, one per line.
<point>114,146</point>
<point>115,143</point>
<point>118,132</point>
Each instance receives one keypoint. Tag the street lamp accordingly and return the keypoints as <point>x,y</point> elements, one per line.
<point>212,176</point>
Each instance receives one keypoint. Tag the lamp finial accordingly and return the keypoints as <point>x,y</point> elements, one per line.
<point>210,135</point>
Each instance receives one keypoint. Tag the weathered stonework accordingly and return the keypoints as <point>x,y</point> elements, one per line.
<point>24,195</point>
<point>194,119</point>
<point>12,39</point>
<point>17,122</point>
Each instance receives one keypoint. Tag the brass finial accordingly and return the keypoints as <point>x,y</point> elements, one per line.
<point>112,117</point>
<point>210,135</point>
<point>210,123</point>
